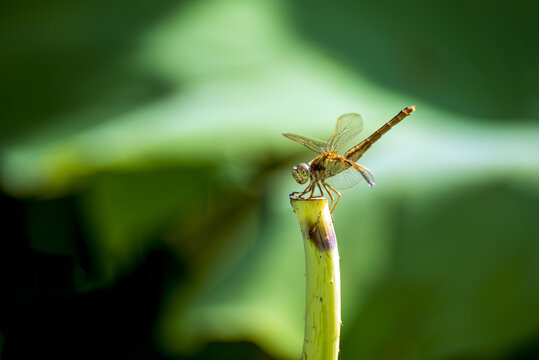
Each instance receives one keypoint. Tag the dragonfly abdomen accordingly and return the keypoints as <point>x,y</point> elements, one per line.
<point>357,151</point>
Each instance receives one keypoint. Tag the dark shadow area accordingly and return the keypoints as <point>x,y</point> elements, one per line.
<point>528,351</point>
<point>229,351</point>
<point>45,256</point>
<point>473,58</point>
<point>43,316</point>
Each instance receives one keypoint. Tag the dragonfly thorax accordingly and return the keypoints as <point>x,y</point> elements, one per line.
<point>301,173</point>
<point>327,165</point>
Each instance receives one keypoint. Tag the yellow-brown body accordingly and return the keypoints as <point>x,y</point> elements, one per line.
<point>328,164</point>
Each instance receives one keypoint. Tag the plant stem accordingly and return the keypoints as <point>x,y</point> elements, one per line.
<point>323,305</point>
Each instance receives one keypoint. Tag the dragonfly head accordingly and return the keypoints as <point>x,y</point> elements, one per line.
<point>301,173</point>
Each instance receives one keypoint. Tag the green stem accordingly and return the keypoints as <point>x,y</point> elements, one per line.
<point>323,305</point>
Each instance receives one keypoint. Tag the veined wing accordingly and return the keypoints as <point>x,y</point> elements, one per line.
<point>315,145</point>
<point>350,177</point>
<point>346,128</point>
<point>345,179</point>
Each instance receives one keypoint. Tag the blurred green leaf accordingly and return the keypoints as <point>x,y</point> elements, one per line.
<point>469,58</point>
<point>462,279</point>
<point>125,210</point>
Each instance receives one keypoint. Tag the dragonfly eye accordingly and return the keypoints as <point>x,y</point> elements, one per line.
<point>301,173</point>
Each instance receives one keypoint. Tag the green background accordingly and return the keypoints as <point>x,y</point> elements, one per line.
<point>144,179</point>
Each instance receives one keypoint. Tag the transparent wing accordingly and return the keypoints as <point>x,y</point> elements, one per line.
<point>366,174</point>
<point>350,177</point>
<point>313,144</point>
<point>345,179</point>
<point>347,127</point>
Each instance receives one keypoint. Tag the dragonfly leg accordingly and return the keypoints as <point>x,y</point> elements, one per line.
<point>336,192</point>
<point>309,188</point>
<point>320,188</point>
<point>300,194</point>
<point>312,190</point>
<point>331,207</point>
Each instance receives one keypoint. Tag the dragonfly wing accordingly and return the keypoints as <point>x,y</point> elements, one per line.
<point>366,174</point>
<point>347,127</point>
<point>345,179</point>
<point>350,177</point>
<point>313,144</point>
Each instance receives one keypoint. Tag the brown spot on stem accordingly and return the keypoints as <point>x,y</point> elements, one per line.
<point>318,229</point>
<point>323,239</point>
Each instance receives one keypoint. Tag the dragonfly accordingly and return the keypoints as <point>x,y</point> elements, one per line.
<point>329,169</point>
